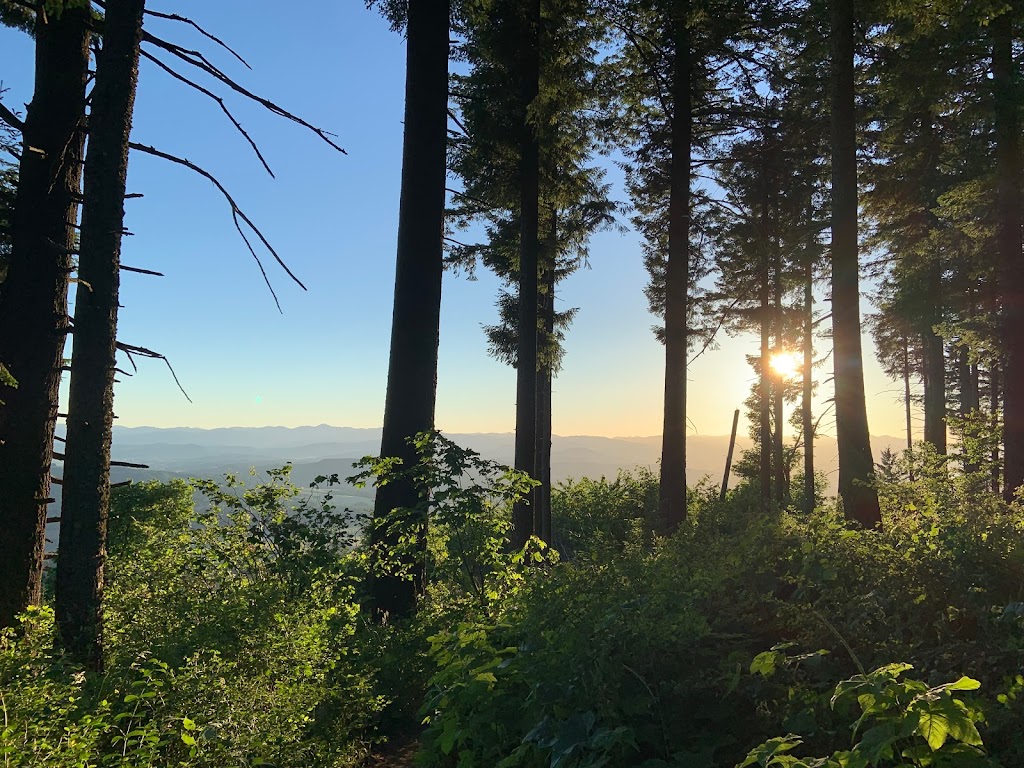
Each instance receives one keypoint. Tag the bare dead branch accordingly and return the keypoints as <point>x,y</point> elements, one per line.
<point>259,263</point>
<point>197,60</point>
<point>237,213</point>
<point>200,30</point>
<point>141,271</point>
<point>11,119</point>
<point>129,464</point>
<point>220,103</point>
<point>130,349</point>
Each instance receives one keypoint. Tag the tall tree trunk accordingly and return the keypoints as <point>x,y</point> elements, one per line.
<point>906,394</point>
<point>907,400</point>
<point>934,362</point>
<point>545,373</point>
<point>860,501</point>
<point>529,265</point>
<point>415,323</point>
<point>994,405</point>
<point>764,382</point>
<point>1011,274</point>
<point>764,399</point>
<point>677,278</point>
<point>808,388</point>
<point>35,299</point>
<point>83,541</point>
<point>778,393</point>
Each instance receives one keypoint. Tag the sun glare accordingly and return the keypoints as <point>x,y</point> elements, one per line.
<point>785,364</point>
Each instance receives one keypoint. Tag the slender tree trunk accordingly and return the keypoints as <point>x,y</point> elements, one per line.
<point>968,375</point>
<point>856,466</point>
<point>728,455</point>
<point>764,399</point>
<point>1011,272</point>
<point>35,302</point>
<point>412,370</point>
<point>994,405</point>
<point>935,367</point>
<point>83,542</point>
<point>764,382</point>
<point>907,400</point>
<point>545,373</point>
<point>677,278</point>
<point>808,388</point>
<point>779,385</point>
<point>906,393</point>
<point>529,263</point>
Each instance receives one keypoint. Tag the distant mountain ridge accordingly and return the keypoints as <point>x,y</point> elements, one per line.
<point>192,451</point>
<point>184,452</point>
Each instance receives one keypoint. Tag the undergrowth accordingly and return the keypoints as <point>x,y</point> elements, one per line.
<point>235,635</point>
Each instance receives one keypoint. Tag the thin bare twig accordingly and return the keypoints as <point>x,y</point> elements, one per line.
<point>220,103</point>
<point>130,349</point>
<point>236,212</point>
<point>203,32</point>
<point>197,60</point>
<point>141,271</point>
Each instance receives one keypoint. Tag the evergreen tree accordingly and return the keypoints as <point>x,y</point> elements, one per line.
<point>34,295</point>
<point>860,501</point>
<point>412,369</point>
<point>86,497</point>
<point>572,196</point>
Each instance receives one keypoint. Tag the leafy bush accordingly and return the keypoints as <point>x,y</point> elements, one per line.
<point>249,605</point>
<point>901,723</point>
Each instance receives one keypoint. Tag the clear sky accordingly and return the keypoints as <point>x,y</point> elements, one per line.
<point>333,218</point>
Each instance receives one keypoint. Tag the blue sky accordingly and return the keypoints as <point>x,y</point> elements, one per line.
<point>333,218</point>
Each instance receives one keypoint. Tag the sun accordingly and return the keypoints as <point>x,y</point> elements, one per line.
<point>786,365</point>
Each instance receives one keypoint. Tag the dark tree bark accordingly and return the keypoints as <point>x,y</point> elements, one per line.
<point>545,375</point>
<point>529,265</point>
<point>677,278</point>
<point>412,369</point>
<point>79,587</point>
<point>807,415</point>
<point>765,399</point>
<point>764,381</point>
<point>860,501</point>
<point>934,391</point>
<point>778,390</point>
<point>994,404</point>
<point>906,394</point>
<point>1011,272</point>
<point>35,302</point>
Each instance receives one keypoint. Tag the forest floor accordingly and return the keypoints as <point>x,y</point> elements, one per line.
<point>400,753</point>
